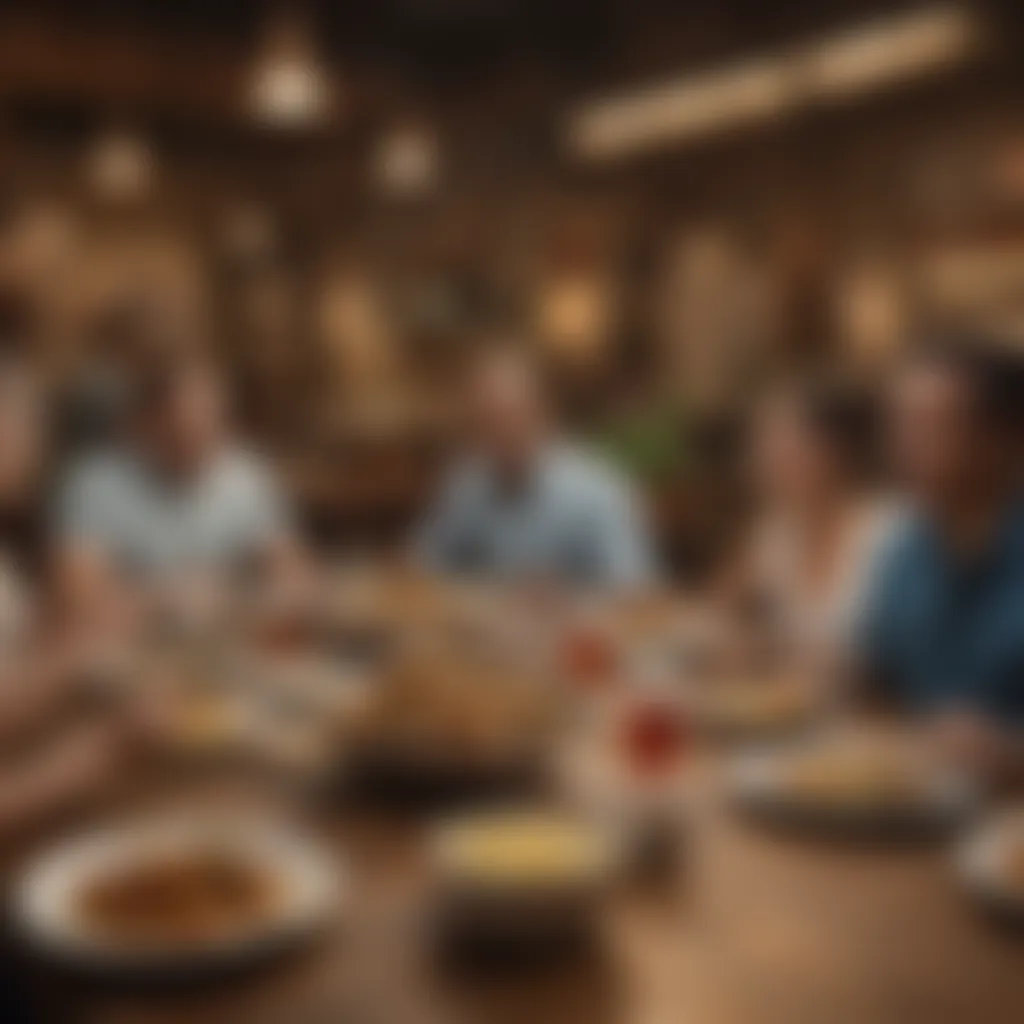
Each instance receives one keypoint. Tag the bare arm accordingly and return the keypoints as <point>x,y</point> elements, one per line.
<point>34,689</point>
<point>57,778</point>
<point>88,597</point>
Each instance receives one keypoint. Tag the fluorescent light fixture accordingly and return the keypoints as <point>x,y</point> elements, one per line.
<point>837,66</point>
<point>873,57</point>
<point>738,95</point>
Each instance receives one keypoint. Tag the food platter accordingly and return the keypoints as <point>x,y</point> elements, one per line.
<point>851,789</point>
<point>444,724</point>
<point>176,896</point>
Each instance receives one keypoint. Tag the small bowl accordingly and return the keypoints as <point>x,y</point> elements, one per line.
<point>528,900</point>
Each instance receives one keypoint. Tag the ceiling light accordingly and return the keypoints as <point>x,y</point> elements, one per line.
<point>871,57</point>
<point>738,95</point>
<point>290,88</point>
<point>837,66</point>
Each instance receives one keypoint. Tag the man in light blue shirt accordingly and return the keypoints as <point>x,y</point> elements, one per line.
<point>522,503</point>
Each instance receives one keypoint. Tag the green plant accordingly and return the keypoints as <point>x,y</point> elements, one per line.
<point>649,445</point>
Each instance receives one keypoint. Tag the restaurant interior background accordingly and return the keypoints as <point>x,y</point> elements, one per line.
<point>669,202</point>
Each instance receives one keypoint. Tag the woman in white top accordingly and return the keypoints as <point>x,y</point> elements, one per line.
<point>818,528</point>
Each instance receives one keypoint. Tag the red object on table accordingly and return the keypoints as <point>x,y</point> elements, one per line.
<point>589,656</point>
<point>654,735</point>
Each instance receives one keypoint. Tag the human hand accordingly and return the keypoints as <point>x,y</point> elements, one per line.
<point>968,740</point>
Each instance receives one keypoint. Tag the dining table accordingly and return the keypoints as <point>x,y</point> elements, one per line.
<point>750,927</point>
<point>749,924</point>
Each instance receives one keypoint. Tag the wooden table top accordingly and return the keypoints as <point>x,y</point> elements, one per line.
<point>755,928</point>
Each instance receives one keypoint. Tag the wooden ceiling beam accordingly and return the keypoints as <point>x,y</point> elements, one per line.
<point>122,73</point>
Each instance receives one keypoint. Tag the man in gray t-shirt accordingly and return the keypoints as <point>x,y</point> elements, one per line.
<point>177,498</point>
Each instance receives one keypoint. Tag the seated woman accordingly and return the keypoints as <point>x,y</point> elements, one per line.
<point>818,527</point>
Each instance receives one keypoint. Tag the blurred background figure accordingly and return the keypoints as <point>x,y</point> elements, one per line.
<point>48,759</point>
<point>22,461</point>
<point>119,344</point>
<point>818,524</point>
<point>943,625</point>
<point>671,206</point>
<point>177,498</point>
<point>522,502</point>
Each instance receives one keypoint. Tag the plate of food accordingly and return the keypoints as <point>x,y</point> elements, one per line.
<point>440,721</point>
<point>176,896</point>
<point>990,861</point>
<point>756,708</point>
<point>523,873</point>
<point>367,614</point>
<point>853,785</point>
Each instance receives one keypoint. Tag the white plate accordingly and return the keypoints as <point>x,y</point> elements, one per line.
<point>45,897</point>
<point>980,860</point>
<point>758,782</point>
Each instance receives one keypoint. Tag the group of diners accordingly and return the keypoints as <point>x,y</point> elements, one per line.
<point>888,542</point>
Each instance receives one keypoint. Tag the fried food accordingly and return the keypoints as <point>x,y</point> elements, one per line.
<point>854,777</point>
<point>178,898</point>
<point>441,706</point>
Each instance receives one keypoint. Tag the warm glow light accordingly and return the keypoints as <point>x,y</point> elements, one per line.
<point>693,107</point>
<point>873,57</point>
<point>289,87</point>
<point>120,166</point>
<point>407,161</point>
<point>289,92</point>
<point>837,66</point>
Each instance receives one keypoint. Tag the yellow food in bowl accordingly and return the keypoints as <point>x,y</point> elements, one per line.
<point>525,850</point>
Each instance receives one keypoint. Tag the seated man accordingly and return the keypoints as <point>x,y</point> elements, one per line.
<point>944,626</point>
<point>521,502</point>
<point>178,500</point>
